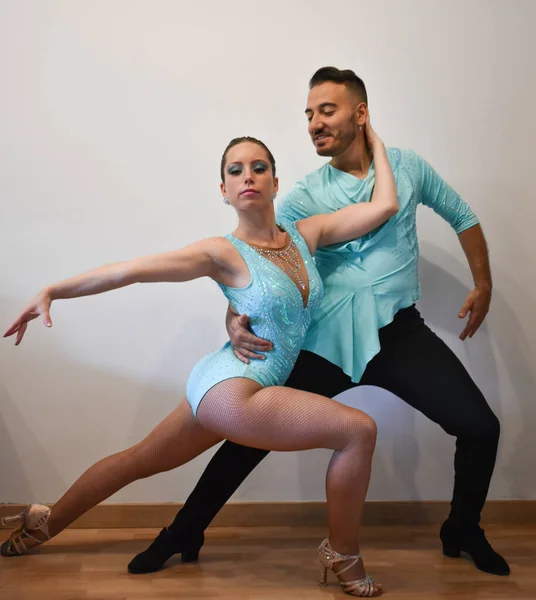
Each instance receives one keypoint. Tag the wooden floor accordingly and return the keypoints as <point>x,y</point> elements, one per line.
<point>263,564</point>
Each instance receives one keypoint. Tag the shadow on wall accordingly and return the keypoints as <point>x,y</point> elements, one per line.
<point>513,400</point>
<point>21,455</point>
<point>58,416</point>
<point>48,439</point>
<point>404,434</point>
<point>398,465</point>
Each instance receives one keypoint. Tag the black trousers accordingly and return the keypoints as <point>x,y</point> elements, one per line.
<point>416,365</point>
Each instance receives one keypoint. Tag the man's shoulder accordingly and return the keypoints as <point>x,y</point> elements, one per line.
<point>401,156</point>
<point>300,200</point>
<point>311,180</point>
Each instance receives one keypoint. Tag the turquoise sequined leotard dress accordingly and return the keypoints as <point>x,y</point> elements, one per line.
<point>274,305</point>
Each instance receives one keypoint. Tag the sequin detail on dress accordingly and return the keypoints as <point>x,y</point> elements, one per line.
<point>275,307</point>
<point>289,260</point>
<point>368,280</point>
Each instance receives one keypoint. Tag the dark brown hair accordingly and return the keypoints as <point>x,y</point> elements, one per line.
<point>346,77</point>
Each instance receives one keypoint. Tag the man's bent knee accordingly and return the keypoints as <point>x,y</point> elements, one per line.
<point>485,427</point>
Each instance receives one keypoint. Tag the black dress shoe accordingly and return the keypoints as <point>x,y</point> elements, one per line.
<point>457,540</point>
<point>165,545</point>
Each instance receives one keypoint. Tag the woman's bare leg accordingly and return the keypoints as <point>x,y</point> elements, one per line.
<point>176,440</point>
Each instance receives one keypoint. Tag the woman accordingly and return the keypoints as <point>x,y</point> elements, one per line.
<point>267,271</point>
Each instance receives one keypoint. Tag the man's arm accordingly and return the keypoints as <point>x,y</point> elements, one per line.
<point>443,199</point>
<point>477,302</point>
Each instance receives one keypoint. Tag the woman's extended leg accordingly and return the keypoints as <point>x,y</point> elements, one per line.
<point>176,440</point>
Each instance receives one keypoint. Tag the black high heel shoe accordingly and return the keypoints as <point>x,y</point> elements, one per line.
<point>474,543</point>
<point>164,546</point>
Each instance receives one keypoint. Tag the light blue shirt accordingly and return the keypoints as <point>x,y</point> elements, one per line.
<point>368,280</point>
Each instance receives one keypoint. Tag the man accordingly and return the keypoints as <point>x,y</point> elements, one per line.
<point>367,330</point>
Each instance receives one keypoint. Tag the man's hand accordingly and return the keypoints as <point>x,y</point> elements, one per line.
<point>476,305</point>
<point>245,344</point>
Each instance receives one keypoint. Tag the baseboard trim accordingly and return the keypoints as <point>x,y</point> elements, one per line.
<point>288,514</point>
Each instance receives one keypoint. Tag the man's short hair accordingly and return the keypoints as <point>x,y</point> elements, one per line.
<point>347,77</point>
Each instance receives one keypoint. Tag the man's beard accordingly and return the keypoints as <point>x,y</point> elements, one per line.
<point>343,139</point>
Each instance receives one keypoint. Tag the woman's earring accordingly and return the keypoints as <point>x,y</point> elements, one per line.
<point>361,128</point>
<point>226,200</point>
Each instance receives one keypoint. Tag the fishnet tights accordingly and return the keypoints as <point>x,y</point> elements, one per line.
<point>285,419</point>
<point>274,418</point>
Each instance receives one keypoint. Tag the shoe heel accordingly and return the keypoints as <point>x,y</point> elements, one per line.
<point>190,556</point>
<point>451,551</point>
<point>323,576</point>
<point>13,519</point>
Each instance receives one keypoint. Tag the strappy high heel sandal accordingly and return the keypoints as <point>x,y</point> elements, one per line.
<point>33,519</point>
<point>329,558</point>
